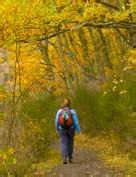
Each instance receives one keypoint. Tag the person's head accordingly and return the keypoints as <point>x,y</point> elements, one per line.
<point>66,102</point>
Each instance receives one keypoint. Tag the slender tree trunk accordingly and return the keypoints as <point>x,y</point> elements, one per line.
<point>17,82</point>
<point>98,63</point>
<point>44,48</point>
<point>85,51</point>
<point>105,51</point>
<point>64,67</point>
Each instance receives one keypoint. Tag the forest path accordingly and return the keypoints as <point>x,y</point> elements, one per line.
<point>85,164</point>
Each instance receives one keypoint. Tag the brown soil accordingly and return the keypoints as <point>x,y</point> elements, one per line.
<point>85,164</point>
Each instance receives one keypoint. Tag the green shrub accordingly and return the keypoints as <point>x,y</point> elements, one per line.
<point>39,112</point>
<point>100,112</point>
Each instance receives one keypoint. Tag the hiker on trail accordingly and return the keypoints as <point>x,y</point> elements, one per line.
<point>66,123</point>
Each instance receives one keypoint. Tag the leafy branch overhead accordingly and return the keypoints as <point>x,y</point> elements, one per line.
<point>40,18</point>
<point>62,40</point>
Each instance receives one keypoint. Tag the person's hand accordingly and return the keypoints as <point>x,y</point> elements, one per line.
<point>79,133</point>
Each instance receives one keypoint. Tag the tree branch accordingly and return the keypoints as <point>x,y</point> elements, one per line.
<point>107,4</point>
<point>119,25</point>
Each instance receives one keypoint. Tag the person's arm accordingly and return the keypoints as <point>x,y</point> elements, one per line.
<point>75,120</point>
<point>56,120</point>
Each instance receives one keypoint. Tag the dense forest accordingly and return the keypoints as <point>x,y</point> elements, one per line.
<point>52,49</point>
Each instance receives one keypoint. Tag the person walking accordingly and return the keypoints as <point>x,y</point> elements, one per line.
<point>66,122</point>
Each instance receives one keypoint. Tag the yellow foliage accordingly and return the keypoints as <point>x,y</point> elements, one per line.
<point>108,148</point>
<point>23,23</point>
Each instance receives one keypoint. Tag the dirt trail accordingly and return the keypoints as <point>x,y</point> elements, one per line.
<point>85,164</point>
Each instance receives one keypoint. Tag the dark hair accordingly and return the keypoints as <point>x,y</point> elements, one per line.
<point>66,103</point>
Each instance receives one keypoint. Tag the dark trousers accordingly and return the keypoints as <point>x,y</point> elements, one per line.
<point>67,141</point>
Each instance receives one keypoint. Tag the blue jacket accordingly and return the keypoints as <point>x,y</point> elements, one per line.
<point>75,120</point>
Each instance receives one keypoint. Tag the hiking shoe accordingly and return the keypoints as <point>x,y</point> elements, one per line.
<point>64,162</point>
<point>70,160</point>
